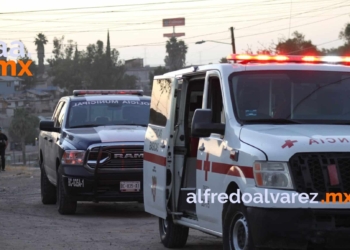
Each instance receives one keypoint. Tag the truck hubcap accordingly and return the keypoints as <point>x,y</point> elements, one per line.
<point>240,233</point>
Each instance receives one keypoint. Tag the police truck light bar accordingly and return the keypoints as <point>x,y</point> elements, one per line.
<point>244,58</point>
<point>107,92</point>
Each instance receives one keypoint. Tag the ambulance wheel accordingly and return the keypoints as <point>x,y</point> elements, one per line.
<point>172,235</point>
<point>236,233</point>
<point>65,206</point>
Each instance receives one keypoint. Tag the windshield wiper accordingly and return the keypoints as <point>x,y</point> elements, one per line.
<point>272,121</point>
<point>87,126</point>
<point>131,124</point>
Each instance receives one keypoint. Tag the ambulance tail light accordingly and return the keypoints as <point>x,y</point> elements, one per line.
<point>107,92</point>
<point>272,175</point>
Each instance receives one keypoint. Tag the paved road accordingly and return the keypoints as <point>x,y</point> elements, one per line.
<point>27,224</point>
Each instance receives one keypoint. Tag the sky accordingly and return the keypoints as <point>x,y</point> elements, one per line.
<point>136,30</point>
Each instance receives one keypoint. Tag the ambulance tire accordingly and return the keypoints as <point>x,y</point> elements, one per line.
<point>172,235</point>
<point>48,190</point>
<point>235,229</point>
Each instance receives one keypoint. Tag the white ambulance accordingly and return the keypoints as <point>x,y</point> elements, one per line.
<point>256,152</point>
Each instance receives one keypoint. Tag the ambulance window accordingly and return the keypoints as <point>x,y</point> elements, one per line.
<point>196,98</point>
<point>159,112</point>
<point>215,102</point>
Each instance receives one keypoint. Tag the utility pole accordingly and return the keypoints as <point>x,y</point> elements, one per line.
<point>233,41</point>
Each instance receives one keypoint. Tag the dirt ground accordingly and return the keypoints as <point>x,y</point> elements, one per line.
<point>25,223</point>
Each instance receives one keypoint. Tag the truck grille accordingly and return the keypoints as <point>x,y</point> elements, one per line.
<point>310,173</point>
<point>117,157</point>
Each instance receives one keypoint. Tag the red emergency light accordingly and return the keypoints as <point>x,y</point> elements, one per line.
<point>107,92</point>
<point>245,58</point>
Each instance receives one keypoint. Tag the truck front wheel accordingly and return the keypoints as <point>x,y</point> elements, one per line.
<point>64,204</point>
<point>172,235</point>
<point>48,190</point>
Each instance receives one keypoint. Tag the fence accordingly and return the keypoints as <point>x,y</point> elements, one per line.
<point>15,158</point>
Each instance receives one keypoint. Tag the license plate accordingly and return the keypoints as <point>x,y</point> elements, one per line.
<point>130,186</point>
<point>75,182</point>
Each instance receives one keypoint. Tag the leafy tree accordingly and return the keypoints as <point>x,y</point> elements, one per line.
<point>296,46</point>
<point>176,54</point>
<point>223,60</point>
<point>23,126</point>
<point>343,50</point>
<point>128,82</point>
<point>345,34</point>
<point>64,66</point>
<point>40,41</point>
<point>97,67</point>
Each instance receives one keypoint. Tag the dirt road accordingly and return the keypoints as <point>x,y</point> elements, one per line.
<point>27,224</point>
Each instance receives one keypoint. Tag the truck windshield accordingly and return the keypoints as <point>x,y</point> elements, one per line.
<point>291,96</point>
<point>108,112</point>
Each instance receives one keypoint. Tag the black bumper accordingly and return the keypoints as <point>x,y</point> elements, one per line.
<point>81,184</point>
<point>299,228</point>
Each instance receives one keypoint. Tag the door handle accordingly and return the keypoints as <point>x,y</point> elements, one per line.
<point>45,137</point>
<point>202,148</point>
<point>162,145</point>
<point>50,140</point>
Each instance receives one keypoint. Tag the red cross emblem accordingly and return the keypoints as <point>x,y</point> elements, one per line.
<point>289,144</point>
<point>206,166</point>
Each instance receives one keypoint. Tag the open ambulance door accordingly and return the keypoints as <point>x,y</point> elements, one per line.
<point>158,149</point>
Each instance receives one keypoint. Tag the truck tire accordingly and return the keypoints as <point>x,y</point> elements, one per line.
<point>65,206</point>
<point>48,190</point>
<point>236,233</point>
<point>172,235</point>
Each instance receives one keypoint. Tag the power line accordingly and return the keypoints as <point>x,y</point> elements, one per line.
<point>142,29</point>
<point>144,4</point>
<point>291,27</point>
<point>297,15</point>
<point>157,21</point>
<point>161,43</point>
<point>99,7</point>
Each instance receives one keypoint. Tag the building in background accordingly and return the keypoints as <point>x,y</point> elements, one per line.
<point>9,85</point>
<point>135,67</point>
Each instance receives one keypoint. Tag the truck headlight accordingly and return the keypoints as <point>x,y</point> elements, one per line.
<point>73,157</point>
<point>272,175</point>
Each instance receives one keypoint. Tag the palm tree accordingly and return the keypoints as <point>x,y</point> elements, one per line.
<point>40,41</point>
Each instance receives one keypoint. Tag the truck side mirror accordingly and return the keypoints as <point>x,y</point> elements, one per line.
<point>202,125</point>
<point>49,126</point>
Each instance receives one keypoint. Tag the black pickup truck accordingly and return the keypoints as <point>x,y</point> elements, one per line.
<point>92,148</point>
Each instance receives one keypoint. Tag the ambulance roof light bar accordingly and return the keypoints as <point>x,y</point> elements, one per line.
<point>107,92</point>
<point>245,58</point>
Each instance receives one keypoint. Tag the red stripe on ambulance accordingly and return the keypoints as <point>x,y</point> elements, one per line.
<point>156,159</point>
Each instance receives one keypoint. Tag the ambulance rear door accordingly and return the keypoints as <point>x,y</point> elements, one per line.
<point>158,153</point>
